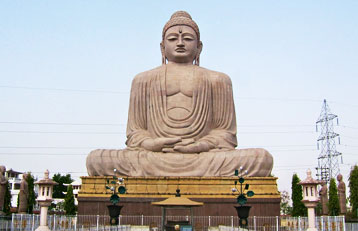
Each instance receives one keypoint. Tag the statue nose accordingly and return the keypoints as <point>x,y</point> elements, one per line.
<point>180,42</point>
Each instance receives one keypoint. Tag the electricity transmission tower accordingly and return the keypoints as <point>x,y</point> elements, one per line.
<point>328,165</point>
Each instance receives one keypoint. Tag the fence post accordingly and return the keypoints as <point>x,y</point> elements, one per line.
<point>142,221</point>
<point>12,221</point>
<point>54,221</point>
<point>76,222</point>
<point>276,223</point>
<point>255,223</point>
<point>232,223</point>
<point>20,221</point>
<point>97,223</point>
<point>33,222</point>
<point>209,221</point>
<point>299,223</point>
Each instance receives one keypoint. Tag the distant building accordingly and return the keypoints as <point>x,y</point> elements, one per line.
<point>14,179</point>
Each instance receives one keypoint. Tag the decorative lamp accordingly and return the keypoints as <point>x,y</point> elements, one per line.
<point>116,186</point>
<point>310,198</point>
<point>44,199</point>
<point>242,210</point>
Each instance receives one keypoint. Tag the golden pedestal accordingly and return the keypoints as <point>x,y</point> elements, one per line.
<point>215,192</point>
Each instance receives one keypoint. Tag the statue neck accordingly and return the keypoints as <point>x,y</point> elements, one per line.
<point>171,63</point>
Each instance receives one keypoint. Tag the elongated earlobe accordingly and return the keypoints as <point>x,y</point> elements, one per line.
<point>197,57</point>
<point>164,59</point>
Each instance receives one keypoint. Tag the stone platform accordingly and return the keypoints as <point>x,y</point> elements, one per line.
<point>215,192</point>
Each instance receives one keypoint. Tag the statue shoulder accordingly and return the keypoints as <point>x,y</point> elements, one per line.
<point>146,75</point>
<point>216,76</point>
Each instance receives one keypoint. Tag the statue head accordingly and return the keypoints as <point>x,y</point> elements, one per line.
<point>46,175</point>
<point>2,169</point>
<point>181,39</point>
<point>339,177</point>
<point>24,176</point>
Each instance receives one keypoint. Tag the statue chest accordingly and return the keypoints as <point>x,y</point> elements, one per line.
<point>179,92</point>
<point>180,84</point>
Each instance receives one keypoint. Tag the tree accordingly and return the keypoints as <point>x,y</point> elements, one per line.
<point>353,188</point>
<point>333,201</point>
<point>7,199</point>
<point>70,206</point>
<point>285,206</point>
<point>31,200</point>
<point>298,208</point>
<point>58,190</point>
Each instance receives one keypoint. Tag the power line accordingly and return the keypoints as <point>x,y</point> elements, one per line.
<point>48,147</point>
<point>116,133</point>
<point>65,132</point>
<point>119,124</point>
<point>124,124</point>
<point>116,147</point>
<point>278,99</point>
<point>84,154</point>
<point>43,154</point>
<point>57,123</point>
<point>65,89</point>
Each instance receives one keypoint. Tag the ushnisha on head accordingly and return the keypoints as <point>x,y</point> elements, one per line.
<point>181,39</point>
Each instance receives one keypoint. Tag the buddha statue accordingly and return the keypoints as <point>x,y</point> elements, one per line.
<point>3,185</point>
<point>342,195</point>
<point>23,195</point>
<point>181,119</point>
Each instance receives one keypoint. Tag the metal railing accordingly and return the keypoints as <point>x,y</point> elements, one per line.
<point>29,222</point>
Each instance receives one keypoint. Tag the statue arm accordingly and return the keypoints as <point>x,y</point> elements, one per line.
<point>223,135</point>
<point>137,120</point>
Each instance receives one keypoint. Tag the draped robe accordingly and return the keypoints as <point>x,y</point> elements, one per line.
<point>211,119</point>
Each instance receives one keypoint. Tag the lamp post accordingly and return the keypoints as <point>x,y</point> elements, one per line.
<point>242,210</point>
<point>310,198</point>
<point>45,198</point>
<point>115,185</point>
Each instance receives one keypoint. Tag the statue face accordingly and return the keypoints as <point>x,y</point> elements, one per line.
<point>180,44</point>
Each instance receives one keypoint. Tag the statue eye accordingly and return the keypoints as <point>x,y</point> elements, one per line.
<point>172,38</point>
<point>188,39</point>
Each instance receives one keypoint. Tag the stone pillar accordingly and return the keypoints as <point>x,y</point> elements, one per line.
<point>311,216</point>
<point>43,216</point>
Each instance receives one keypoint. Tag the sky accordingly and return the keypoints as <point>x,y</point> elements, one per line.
<point>66,69</point>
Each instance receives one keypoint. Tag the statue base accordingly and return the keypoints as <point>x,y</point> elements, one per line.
<point>214,192</point>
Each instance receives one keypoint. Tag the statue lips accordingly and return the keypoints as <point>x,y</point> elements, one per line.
<point>180,50</point>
